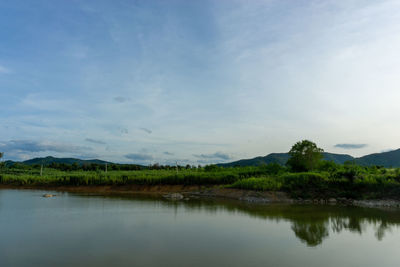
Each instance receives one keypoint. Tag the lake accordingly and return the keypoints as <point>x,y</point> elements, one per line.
<point>78,230</point>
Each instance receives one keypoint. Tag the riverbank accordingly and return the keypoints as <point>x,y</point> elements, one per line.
<point>184,192</point>
<point>251,184</point>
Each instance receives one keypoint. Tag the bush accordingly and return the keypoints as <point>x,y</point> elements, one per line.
<point>303,180</point>
<point>327,166</point>
<point>262,184</point>
<point>272,169</point>
<point>350,172</point>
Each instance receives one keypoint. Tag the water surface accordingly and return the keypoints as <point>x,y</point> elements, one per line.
<point>77,230</point>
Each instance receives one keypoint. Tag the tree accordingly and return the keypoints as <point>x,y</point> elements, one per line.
<point>1,155</point>
<point>304,156</point>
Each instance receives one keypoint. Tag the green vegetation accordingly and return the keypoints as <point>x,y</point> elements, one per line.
<point>304,156</point>
<point>327,180</point>
<point>306,175</point>
<point>148,176</point>
<point>386,159</point>
<point>261,184</point>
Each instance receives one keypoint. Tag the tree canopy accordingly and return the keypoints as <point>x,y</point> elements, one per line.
<point>304,156</point>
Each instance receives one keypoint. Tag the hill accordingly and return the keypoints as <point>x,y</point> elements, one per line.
<point>386,159</point>
<point>282,158</point>
<point>49,160</point>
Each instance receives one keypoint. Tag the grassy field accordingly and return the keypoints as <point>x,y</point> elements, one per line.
<point>329,180</point>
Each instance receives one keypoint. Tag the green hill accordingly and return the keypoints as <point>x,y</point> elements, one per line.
<point>337,158</point>
<point>386,159</point>
<point>49,160</point>
<point>282,158</point>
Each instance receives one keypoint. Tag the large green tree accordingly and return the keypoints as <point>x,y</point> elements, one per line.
<point>304,156</point>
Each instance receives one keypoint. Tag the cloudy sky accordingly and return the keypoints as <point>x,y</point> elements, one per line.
<point>197,81</point>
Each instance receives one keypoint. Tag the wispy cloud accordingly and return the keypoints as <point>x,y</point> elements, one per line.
<point>242,72</point>
<point>139,157</point>
<point>40,146</point>
<point>124,131</point>
<point>216,155</point>
<point>94,141</point>
<point>351,146</point>
<point>146,130</point>
<point>168,153</point>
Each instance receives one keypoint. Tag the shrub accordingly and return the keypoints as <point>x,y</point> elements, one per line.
<point>303,180</point>
<point>350,172</point>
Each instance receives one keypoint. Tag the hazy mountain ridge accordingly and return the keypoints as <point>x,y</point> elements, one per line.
<point>282,158</point>
<point>49,160</point>
<point>386,159</point>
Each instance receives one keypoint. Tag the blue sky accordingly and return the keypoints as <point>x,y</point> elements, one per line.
<point>197,81</point>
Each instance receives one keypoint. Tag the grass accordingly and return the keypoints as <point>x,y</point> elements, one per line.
<point>140,177</point>
<point>260,184</point>
<point>338,181</point>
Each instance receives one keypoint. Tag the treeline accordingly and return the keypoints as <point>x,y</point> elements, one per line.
<point>306,175</point>
<point>98,167</point>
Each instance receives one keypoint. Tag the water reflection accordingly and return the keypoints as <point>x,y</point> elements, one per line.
<point>76,230</point>
<point>311,224</point>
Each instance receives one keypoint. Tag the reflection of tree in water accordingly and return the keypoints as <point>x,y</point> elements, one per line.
<point>310,223</point>
<point>314,231</point>
<point>380,232</point>
<point>311,233</point>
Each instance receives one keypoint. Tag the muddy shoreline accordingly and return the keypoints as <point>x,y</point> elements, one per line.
<point>178,192</point>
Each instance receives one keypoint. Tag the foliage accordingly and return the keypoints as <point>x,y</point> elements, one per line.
<point>327,180</point>
<point>348,171</point>
<point>304,156</point>
<point>273,168</point>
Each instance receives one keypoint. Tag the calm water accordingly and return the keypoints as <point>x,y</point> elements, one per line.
<point>75,230</point>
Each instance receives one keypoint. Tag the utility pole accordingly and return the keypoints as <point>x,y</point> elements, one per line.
<point>106,167</point>
<point>41,170</point>
<point>176,167</point>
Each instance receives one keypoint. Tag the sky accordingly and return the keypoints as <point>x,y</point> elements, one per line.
<point>197,82</point>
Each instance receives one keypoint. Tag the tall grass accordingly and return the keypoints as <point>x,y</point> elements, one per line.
<point>343,181</point>
<point>140,177</point>
<point>260,184</point>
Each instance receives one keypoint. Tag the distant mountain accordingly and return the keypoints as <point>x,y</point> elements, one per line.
<point>9,162</point>
<point>337,158</point>
<point>386,159</point>
<point>49,160</point>
<point>282,158</point>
